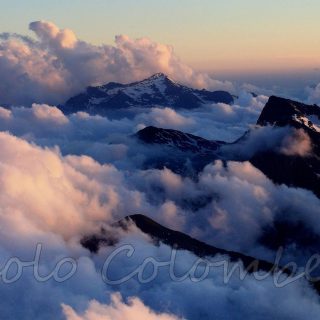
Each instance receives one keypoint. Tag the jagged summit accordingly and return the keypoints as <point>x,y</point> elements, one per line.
<point>282,112</point>
<point>156,91</point>
<point>292,170</point>
<point>159,75</point>
<point>181,152</point>
<point>180,140</point>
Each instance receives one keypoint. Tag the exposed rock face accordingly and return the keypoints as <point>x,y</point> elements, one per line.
<point>156,91</point>
<point>296,171</point>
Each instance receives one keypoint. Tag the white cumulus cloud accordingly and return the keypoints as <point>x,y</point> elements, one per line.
<point>57,65</point>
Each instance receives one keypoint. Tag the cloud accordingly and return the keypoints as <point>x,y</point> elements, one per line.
<point>248,201</point>
<point>117,185</point>
<point>117,310</point>
<point>285,140</point>
<point>52,36</point>
<point>5,113</point>
<point>106,140</point>
<point>166,118</point>
<point>58,65</point>
<point>54,199</point>
<point>297,144</point>
<point>313,94</point>
<point>50,114</point>
<point>210,298</point>
<point>224,122</point>
<point>65,195</point>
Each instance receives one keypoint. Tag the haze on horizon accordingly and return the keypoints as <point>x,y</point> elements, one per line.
<point>233,37</point>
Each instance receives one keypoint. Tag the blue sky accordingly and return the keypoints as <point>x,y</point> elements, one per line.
<point>249,35</point>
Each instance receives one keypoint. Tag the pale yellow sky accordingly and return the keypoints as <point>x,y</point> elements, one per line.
<point>232,35</point>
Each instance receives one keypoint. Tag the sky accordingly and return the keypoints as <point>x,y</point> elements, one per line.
<point>229,37</point>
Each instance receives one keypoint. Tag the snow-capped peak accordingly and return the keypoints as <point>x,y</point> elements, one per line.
<point>156,91</point>
<point>158,76</point>
<point>282,112</point>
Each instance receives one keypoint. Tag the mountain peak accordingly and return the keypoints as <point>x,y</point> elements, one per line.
<point>292,170</point>
<point>180,140</point>
<point>158,75</point>
<point>156,91</point>
<point>282,112</point>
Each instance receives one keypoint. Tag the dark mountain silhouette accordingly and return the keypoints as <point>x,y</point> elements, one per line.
<point>177,139</point>
<point>180,241</point>
<point>296,171</point>
<point>183,153</point>
<point>174,239</point>
<point>156,91</point>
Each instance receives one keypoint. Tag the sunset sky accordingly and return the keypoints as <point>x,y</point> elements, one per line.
<point>160,159</point>
<point>230,36</point>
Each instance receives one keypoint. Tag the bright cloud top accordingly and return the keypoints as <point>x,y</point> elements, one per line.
<point>118,310</point>
<point>57,64</point>
<point>54,199</point>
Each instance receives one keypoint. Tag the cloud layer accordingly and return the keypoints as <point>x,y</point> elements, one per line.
<point>58,65</point>
<point>54,199</point>
<point>63,177</point>
<point>118,310</point>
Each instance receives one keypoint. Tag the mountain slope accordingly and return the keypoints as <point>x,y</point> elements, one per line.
<point>174,239</point>
<point>180,241</point>
<point>283,112</point>
<point>295,170</point>
<point>177,139</point>
<point>183,153</point>
<point>158,90</point>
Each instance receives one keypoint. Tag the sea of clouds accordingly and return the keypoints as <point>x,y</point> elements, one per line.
<point>63,177</point>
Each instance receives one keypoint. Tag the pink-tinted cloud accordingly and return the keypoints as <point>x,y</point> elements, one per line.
<point>58,65</point>
<point>117,310</point>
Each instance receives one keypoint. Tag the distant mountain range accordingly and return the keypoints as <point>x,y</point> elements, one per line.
<point>187,154</point>
<point>296,171</point>
<point>156,91</point>
<point>301,171</point>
